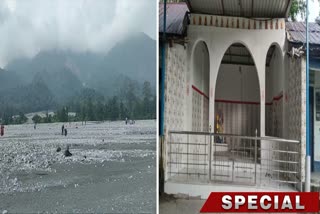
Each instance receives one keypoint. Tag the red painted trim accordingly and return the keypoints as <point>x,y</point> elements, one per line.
<point>199,91</point>
<point>276,98</point>
<point>237,102</point>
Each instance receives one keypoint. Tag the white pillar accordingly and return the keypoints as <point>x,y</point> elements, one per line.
<point>214,69</point>
<point>261,69</point>
<point>189,80</point>
<point>262,76</point>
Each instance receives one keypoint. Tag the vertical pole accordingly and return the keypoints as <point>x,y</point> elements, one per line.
<point>308,160</point>
<point>187,156</point>
<point>210,153</point>
<point>163,71</point>
<point>170,153</point>
<point>161,120</point>
<point>255,157</point>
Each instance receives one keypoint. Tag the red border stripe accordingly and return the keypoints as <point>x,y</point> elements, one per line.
<point>276,98</point>
<point>237,102</point>
<point>199,91</point>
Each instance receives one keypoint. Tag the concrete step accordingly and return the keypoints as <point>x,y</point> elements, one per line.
<point>315,187</point>
<point>315,182</point>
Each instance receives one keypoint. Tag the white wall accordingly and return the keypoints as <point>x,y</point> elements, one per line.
<point>316,123</point>
<point>200,79</point>
<point>295,104</point>
<point>274,95</point>
<point>175,93</point>
<point>242,87</point>
<point>275,75</point>
<point>180,78</point>
<point>219,39</point>
<point>175,88</point>
<point>237,86</point>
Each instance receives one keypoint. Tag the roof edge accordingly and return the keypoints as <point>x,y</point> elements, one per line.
<point>189,5</point>
<point>285,13</point>
<point>288,8</point>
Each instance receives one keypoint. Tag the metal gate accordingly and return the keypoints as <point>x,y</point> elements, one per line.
<point>263,161</point>
<point>234,160</point>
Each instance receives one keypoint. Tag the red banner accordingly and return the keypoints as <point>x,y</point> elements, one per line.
<point>261,202</point>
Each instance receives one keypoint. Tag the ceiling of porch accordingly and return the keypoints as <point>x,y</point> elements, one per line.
<point>242,8</point>
<point>238,54</point>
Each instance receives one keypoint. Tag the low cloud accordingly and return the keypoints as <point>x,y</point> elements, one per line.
<point>27,27</point>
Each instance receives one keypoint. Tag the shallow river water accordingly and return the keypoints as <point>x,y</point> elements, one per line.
<point>112,169</point>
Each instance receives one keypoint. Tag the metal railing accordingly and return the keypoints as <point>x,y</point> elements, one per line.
<point>209,157</point>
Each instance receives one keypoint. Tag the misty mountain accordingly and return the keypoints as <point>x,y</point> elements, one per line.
<point>35,96</point>
<point>9,80</point>
<point>133,58</point>
<point>56,77</point>
<point>62,83</point>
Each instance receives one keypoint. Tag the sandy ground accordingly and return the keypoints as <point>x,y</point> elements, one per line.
<point>171,205</point>
<point>112,170</point>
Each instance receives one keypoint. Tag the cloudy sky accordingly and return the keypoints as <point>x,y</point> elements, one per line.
<point>314,9</point>
<point>28,26</point>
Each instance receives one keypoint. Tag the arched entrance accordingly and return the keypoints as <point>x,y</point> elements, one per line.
<point>274,92</point>
<point>237,94</point>
<point>200,88</point>
<point>237,112</point>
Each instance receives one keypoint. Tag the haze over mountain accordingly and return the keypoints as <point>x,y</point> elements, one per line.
<point>64,74</point>
<point>81,25</point>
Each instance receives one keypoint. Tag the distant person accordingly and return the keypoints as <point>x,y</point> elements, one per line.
<point>35,126</point>
<point>65,132</point>
<point>126,120</point>
<point>62,129</point>
<point>67,153</point>
<point>2,130</point>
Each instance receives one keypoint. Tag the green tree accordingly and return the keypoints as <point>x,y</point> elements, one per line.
<point>36,118</point>
<point>298,7</point>
<point>131,97</point>
<point>147,97</point>
<point>114,108</point>
<point>83,113</point>
<point>62,114</point>
<point>22,118</point>
<point>122,111</point>
<point>90,110</point>
<point>99,111</point>
<point>153,107</point>
<point>107,111</point>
